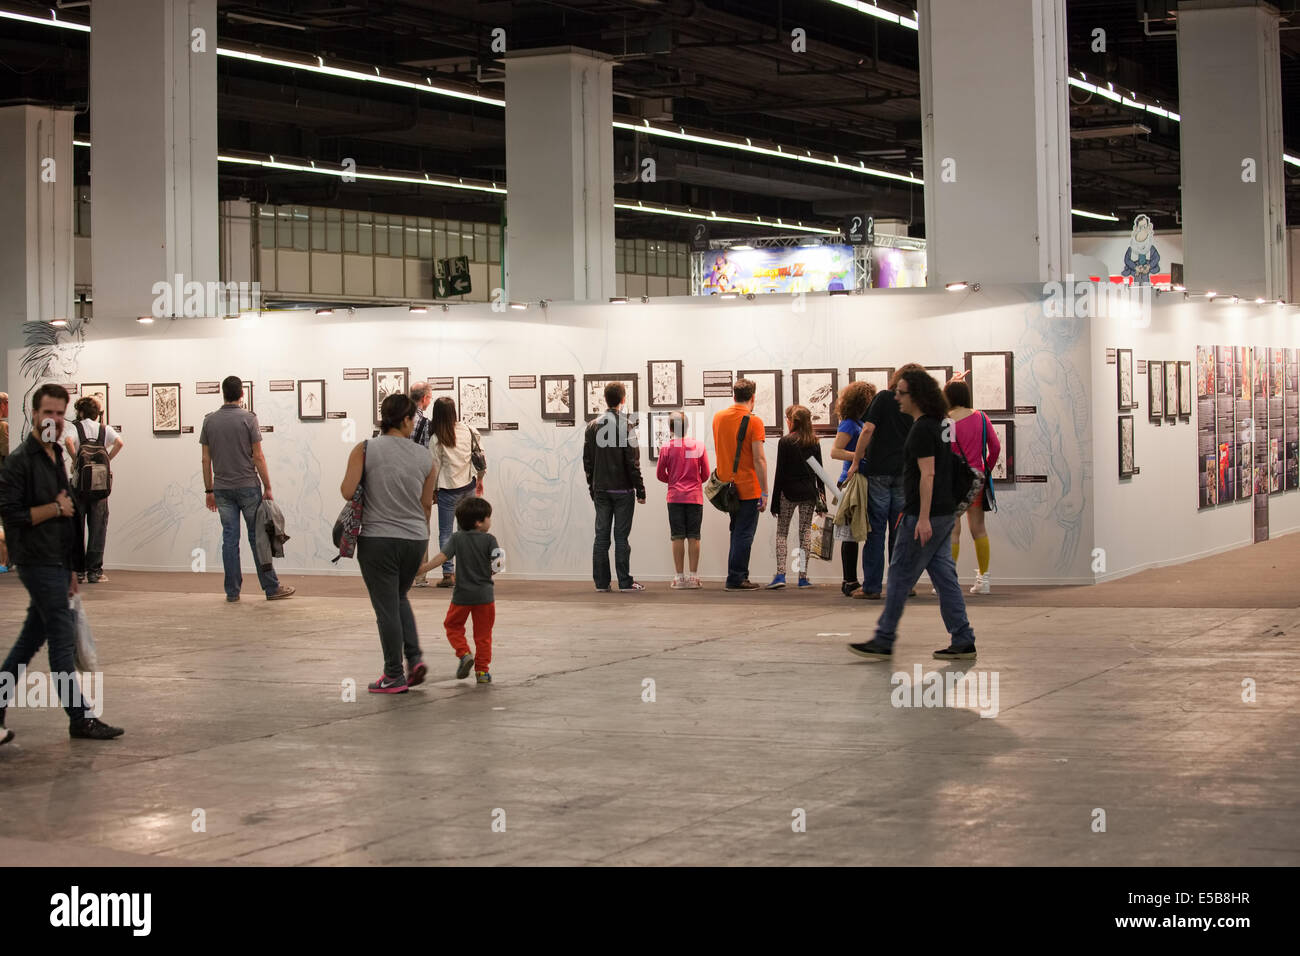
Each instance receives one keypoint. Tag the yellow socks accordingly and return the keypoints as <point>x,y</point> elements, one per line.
<point>956,546</point>
<point>981,553</point>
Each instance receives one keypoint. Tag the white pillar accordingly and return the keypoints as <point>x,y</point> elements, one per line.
<point>36,189</point>
<point>1230,97</point>
<point>996,138</point>
<point>560,173</point>
<point>153,122</point>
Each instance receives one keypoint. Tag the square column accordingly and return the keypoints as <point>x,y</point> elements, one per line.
<point>1230,96</point>
<point>996,137</point>
<point>560,173</point>
<point>153,121</point>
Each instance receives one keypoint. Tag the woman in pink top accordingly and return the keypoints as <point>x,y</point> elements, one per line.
<point>969,437</point>
<point>684,465</point>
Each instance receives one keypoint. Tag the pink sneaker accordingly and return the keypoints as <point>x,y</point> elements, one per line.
<point>693,582</point>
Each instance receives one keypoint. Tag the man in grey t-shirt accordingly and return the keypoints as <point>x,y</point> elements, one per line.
<point>233,463</point>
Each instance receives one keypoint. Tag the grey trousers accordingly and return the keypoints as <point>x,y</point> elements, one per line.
<point>388,567</point>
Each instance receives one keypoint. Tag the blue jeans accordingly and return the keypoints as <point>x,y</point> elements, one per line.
<point>884,505</point>
<point>48,619</point>
<point>613,513</point>
<point>448,499</point>
<point>231,502</point>
<point>905,568</point>
<point>744,522</point>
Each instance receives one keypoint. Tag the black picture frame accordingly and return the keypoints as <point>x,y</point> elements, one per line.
<point>154,390</point>
<point>653,419</point>
<point>246,403</point>
<point>462,405</point>
<point>1120,356</point>
<point>1171,401</point>
<point>545,382</point>
<point>1007,458</point>
<point>1008,406</point>
<point>632,401</point>
<point>1185,383</point>
<point>1155,391</point>
<point>800,399</point>
<point>311,416</point>
<point>404,374</point>
<point>98,390</point>
<point>1132,440</point>
<point>650,383</point>
<point>875,379</point>
<point>772,426</point>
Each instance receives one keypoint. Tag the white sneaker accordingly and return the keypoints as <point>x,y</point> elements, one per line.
<point>693,582</point>
<point>981,585</point>
<point>679,582</point>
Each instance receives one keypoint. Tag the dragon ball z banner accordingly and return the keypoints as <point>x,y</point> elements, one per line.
<point>787,270</point>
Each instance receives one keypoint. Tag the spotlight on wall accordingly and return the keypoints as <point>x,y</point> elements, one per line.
<point>618,300</point>
<point>325,311</point>
<point>1236,299</point>
<point>645,300</point>
<point>59,323</point>
<point>446,307</point>
<point>962,286</point>
<point>544,303</point>
<point>1281,303</point>
<point>1180,288</point>
<point>145,319</point>
<point>417,309</point>
<point>1210,295</point>
<point>743,247</point>
<point>1259,300</point>
<point>520,306</point>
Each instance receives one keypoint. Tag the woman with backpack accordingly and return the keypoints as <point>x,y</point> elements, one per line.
<point>973,436</point>
<point>795,486</point>
<point>92,445</point>
<point>460,463</point>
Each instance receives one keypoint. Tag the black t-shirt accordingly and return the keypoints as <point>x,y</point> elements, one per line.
<point>884,455</point>
<point>925,440</point>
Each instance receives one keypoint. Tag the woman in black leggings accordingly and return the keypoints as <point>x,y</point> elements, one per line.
<point>852,409</point>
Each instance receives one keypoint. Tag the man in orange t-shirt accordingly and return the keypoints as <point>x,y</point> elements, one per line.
<point>750,477</point>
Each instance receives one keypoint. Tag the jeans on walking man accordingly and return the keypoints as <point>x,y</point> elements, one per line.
<point>612,461</point>
<point>40,525</point>
<point>233,464</point>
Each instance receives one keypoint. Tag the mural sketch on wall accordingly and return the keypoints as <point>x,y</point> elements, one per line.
<point>174,523</point>
<point>1054,442</point>
<point>51,355</point>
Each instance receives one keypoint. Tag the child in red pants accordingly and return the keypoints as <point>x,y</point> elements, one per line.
<point>475,551</point>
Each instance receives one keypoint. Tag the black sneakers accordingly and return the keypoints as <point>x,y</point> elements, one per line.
<point>955,653</point>
<point>5,735</point>
<point>92,728</point>
<point>873,650</point>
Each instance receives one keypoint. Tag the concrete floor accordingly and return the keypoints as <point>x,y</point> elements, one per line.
<point>759,710</point>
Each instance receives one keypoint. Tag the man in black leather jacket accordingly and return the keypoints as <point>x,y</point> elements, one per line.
<point>40,524</point>
<point>612,460</point>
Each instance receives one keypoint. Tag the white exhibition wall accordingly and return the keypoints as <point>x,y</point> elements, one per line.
<point>1043,533</point>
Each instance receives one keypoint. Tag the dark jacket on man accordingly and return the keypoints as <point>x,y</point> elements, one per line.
<point>30,479</point>
<point>612,462</point>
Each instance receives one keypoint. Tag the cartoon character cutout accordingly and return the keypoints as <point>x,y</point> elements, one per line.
<point>723,275</point>
<point>1141,258</point>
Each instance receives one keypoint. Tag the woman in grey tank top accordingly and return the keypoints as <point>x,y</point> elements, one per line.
<point>399,483</point>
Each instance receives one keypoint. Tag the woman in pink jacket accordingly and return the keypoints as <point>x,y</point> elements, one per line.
<point>968,437</point>
<point>684,466</point>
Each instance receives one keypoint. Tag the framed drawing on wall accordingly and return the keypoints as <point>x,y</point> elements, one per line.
<point>1171,391</point>
<point>1124,374</point>
<point>660,432</point>
<point>991,380</point>
<point>474,401</point>
<point>665,378</point>
<point>166,408</point>
<point>1185,390</point>
<point>767,399</point>
<point>1155,391</point>
<point>558,392</point>
<point>389,381</point>
<point>940,373</point>
<point>1126,445</point>
<point>246,403</point>
<point>593,389</point>
<point>878,377</point>
<point>311,400</point>
<point>1005,469</point>
<point>99,392</point>
<point>818,389</point>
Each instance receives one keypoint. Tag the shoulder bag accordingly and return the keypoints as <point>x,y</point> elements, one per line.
<point>723,494</point>
<point>990,503</point>
<point>967,483</point>
<point>348,526</point>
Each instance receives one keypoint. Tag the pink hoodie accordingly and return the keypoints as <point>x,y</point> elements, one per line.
<point>684,465</point>
<point>969,437</point>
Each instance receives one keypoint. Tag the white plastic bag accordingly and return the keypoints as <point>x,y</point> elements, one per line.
<point>87,657</point>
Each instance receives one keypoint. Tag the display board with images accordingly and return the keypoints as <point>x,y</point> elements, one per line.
<point>768,395</point>
<point>474,401</point>
<point>1276,422</point>
<point>559,394</point>
<point>818,389</point>
<point>992,381</point>
<point>1291,416</point>
<point>665,378</point>
<point>878,376</point>
<point>1259,390</point>
<point>593,389</point>
<point>1207,453</point>
<point>1225,417</point>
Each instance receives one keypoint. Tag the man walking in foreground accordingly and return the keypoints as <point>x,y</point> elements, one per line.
<point>232,465</point>
<point>924,540</point>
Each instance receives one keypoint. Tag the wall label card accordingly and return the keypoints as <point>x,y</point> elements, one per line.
<point>505,426</point>
<point>1026,409</point>
<point>282,385</point>
<point>565,424</point>
<point>187,429</point>
<point>693,401</point>
<point>72,389</point>
<point>337,415</point>
<point>442,384</point>
<point>207,388</point>
<point>1112,356</point>
<point>1142,366</point>
<point>137,391</point>
<point>1032,479</point>
<point>523,381</point>
<point>717,384</point>
<point>355,373</point>
<point>266,428</point>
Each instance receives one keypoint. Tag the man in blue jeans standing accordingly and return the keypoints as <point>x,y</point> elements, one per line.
<point>744,462</point>
<point>233,463</point>
<point>925,528</point>
<point>612,460</point>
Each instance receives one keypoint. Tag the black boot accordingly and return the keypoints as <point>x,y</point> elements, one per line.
<point>92,728</point>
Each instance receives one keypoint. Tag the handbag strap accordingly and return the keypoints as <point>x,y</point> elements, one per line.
<point>740,445</point>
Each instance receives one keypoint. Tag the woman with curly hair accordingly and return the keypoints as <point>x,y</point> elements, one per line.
<point>855,398</point>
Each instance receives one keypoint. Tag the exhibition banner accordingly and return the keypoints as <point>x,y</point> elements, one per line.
<point>785,269</point>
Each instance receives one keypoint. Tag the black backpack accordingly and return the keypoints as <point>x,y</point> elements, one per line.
<point>92,476</point>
